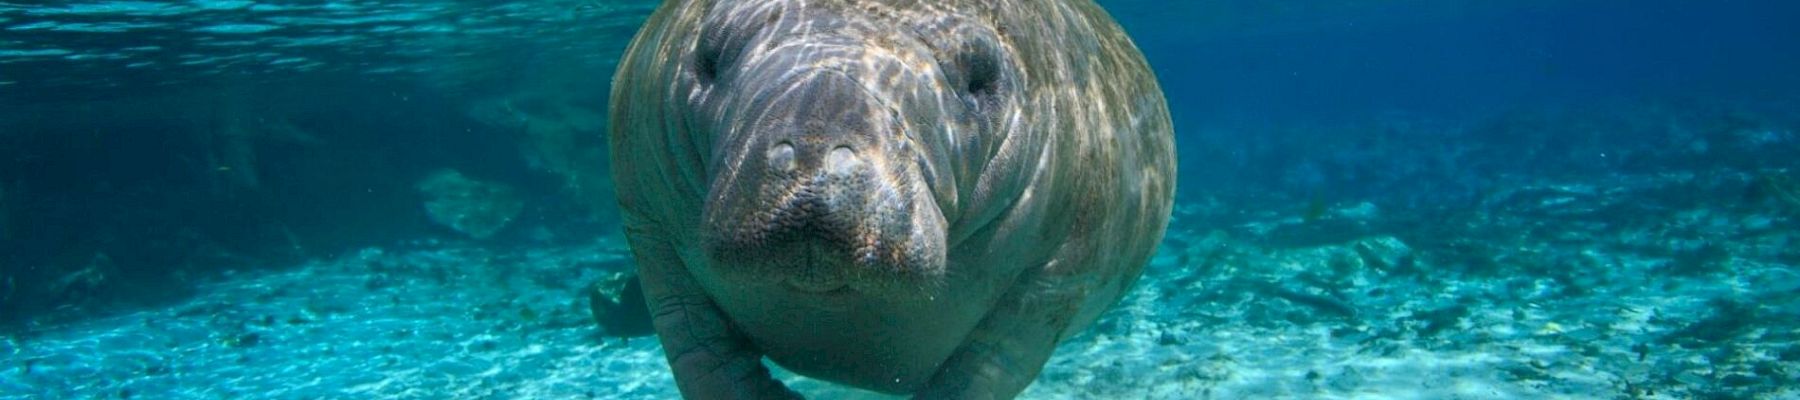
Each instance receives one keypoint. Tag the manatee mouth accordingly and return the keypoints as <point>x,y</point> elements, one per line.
<point>814,275</point>
<point>834,288</point>
<point>815,193</point>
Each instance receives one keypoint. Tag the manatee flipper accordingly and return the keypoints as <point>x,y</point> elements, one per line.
<point>710,358</point>
<point>1009,347</point>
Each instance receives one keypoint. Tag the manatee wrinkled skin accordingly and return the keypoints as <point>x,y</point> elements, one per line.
<point>912,197</point>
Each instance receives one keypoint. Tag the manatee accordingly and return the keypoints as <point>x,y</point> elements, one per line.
<point>905,196</point>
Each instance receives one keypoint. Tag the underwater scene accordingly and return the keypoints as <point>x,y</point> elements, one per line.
<point>1374,199</point>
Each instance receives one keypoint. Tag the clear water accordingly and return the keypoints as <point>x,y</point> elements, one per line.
<point>1379,199</point>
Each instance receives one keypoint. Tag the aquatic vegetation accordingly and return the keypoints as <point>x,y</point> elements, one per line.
<point>83,280</point>
<point>472,207</point>
<point>248,339</point>
<point>1430,323</point>
<point>1315,209</point>
<point>617,305</point>
<point>1708,257</point>
<point>1344,266</point>
<point>1215,251</point>
<point>1775,188</point>
<point>1529,371</point>
<point>8,287</point>
<point>1726,320</point>
<point>5,213</point>
<point>1322,304</point>
<point>1386,255</point>
<point>377,282</point>
<point>1790,354</point>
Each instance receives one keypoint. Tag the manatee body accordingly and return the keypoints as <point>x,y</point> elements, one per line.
<point>912,197</point>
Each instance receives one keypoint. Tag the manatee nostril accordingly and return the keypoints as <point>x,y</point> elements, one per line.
<point>781,157</point>
<point>842,161</point>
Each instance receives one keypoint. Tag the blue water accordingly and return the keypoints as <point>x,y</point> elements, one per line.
<point>1378,199</point>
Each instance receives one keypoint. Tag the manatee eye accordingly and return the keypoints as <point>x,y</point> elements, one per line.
<point>982,74</point>
<point>707,55</point>
<point>724,39</point>
<point>982,67</point>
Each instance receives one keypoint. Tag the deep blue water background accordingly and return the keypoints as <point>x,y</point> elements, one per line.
<point>1237,72</point>
<point>1462,59</point>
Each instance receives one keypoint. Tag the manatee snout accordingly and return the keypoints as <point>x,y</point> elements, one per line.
<point>805,161</point>
<point>818,195</point>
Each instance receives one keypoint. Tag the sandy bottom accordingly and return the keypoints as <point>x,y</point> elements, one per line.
<point>1546,290</point>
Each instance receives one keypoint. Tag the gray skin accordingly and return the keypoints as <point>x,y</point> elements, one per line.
<point>911,197</point>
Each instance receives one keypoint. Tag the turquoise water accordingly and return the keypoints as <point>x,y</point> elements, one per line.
<point>1378,199</point>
